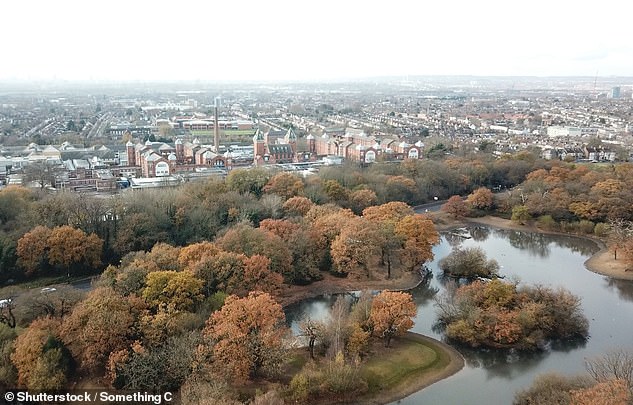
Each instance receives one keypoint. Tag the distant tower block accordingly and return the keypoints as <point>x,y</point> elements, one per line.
<point>131,154</point>
<point>216,126</point>
<point>180,151</point>
<point>615,92</point>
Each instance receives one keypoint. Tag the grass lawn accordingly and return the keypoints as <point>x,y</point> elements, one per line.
<point>408,358</point>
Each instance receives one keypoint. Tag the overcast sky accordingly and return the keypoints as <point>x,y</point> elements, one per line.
<point>300,40</point>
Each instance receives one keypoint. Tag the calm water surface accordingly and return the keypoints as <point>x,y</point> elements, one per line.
<point>492,378</point>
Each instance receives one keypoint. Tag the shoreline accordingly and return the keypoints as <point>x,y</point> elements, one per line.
<point>414,383</point>
<point>601,262</point>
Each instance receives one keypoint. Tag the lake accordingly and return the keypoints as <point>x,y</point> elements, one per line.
<point>490,377</point>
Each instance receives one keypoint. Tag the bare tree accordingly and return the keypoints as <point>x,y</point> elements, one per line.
<point>313,330</point>
<point>616,364</point>
<point>42,172</point>
<point>337,326</point>
<point>619,232</point>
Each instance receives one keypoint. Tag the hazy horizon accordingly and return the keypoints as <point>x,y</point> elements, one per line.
<point>281,41</point>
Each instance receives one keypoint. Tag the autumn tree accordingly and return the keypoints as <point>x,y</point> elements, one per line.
<point>456,207</point>
<point>161,257</point>
<point>236,273</point>
<point>42,361</point>
<point>221,272</point>
<point>248,335</point>
<point>250,241</point>
<point>620,233</point>
<point>392,314</point>
<point>354,248</point>
<point>386,217</point>
<point>190,254</point>
<point>62,247</point>
<point>178,290</point>
<point>361,199</point>
<point>258,276</point>
<point>400,188</point>
<point>32,249</point>
<point>497,314</point>
<point>103,323</point>
<point>297,206</point>
<point>481,199</point>
<point>419,235</point>
<point>550,389</point>
<point>280,227</point>
<point>284,184</point>
<point>74,249</point>
<point>611,392</point>
<point>335,191</point>
<point>613,365</point>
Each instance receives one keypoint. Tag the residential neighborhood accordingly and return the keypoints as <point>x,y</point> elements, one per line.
<point>104,141</point>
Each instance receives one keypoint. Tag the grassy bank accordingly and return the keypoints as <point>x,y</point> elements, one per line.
<point>414,362</point>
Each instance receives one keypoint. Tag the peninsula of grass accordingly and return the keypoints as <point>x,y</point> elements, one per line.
<point>413,362</point>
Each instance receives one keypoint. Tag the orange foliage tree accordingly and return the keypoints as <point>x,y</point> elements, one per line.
<point>251,241</point>
<point>70,247</point>
<point>191,254</point>
<point>456,207</point>
<point>611,392</point>
<point>392,314</point>
<point>248,333</point>
<point>64,247</point>
<point>103,323</point>
<point>32,249</point>
<point>354,248</point>
<point>40,358</point>
<point>386,216</point>
<point>419,235</point>
<point>482,199</point>
<point>297,206</point>
<point>284,184</point>
<point>361,199</point>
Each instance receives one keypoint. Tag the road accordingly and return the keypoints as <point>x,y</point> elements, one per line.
<point>429,207</point>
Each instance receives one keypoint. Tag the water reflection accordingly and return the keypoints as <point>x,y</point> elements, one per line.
<point>479,233</point>
<point>552,260</point>
<point>534,243</point>
<point>623,288</point>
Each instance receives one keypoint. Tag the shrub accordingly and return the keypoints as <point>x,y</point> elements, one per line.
<point>547,223</point>
<point>550,389</point>
<point>601,229</point>
<point>469,263</point>
<point>586,227</point>
<point>496,314</point>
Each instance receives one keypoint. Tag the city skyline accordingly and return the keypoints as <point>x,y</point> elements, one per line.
<point>279,40</point>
